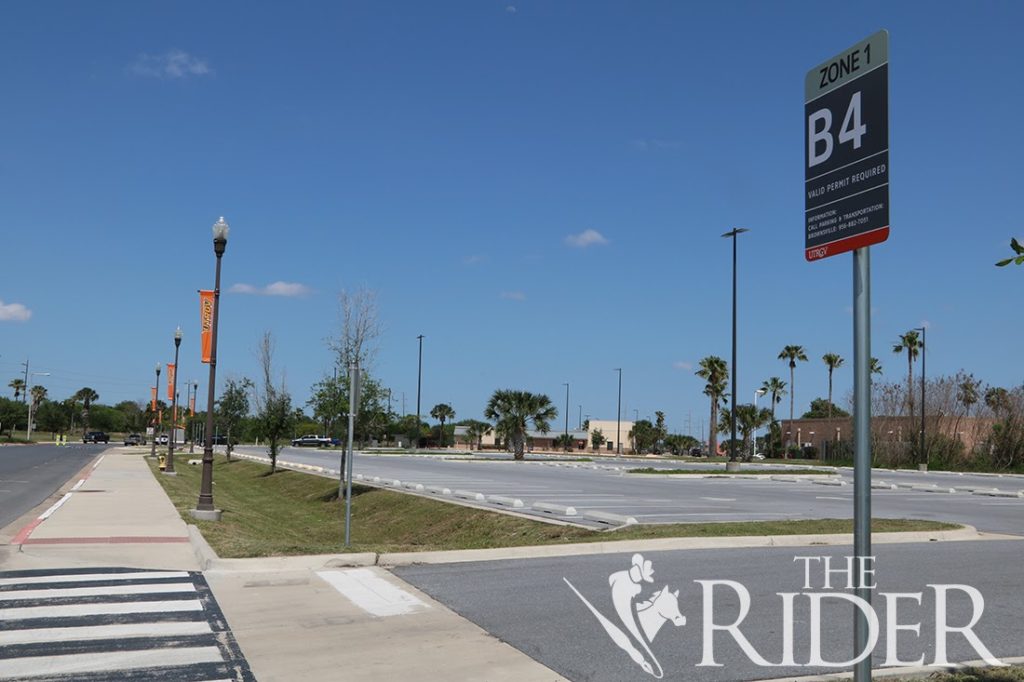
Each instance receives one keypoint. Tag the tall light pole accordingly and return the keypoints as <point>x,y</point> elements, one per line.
<point>618,416</point>
<point>419,385</point>
<point>152,451</point>
<point>753,446</point>
<point>566,443</point>
<point>581,417</point>
<point>923,463</point>
<point>169,469</point>
<point>733,464</point>
<point>204,506</point>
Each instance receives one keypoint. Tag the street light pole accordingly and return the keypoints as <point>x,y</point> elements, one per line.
<point>419,385</point>
<point>169,469</point>
<point>753,446</point>
<point>32,403</point>
<point>566,443</point>
<point>192,413</point>
<point>732,464</point>
<point>152,451</point>
<point>923,463</point>
<point>618,416</point>
<point>204,505</point>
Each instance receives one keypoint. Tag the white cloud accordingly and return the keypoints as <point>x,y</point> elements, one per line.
<point>475,259</point>
<point>680,364</point>
<point>513,295</point>
<point>511,9</point>
<point>170,64</point>
<point>13,312</point>
<point>585,239</point>
<point>273,289</point>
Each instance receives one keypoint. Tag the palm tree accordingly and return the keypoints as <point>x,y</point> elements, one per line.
<point>442,412</point>
<point>876,366</point>
<point>775,388</point>
<point>792,353</point>
<point>966,395</point>
<point>716,373</point>
<point>87,396</point>
<point>748,418</point>
<point>19,387</point>
<point>911,343</point>
<point>832,360</point>
<point>510,411</point>
<point>475,431</point>
<point>997,399</point>
<point>38,395</point>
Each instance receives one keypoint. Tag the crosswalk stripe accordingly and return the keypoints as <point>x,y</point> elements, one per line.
<point>87,632</point>
<point>38,666</point>
<point>158,588</point>
<point>92,577</point>
<point>125,624</point>
<point>99,609</point>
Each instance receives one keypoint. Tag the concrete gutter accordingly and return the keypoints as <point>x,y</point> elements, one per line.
<point>916,672</point>
<point>208,559</point>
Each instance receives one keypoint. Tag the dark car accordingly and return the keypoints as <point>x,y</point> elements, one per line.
<point>134,439</point>
<point>311,441</point>
<point>95,437</point>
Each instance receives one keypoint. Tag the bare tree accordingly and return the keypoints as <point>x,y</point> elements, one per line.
<point>274,415</point>
<point>359,329</point>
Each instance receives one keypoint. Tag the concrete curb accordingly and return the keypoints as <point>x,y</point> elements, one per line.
<point>208,559</point>
<point>549,508</point>
<point>917,672</point>
<point>610,519</point>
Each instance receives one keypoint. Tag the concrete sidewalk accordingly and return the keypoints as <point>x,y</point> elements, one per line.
<point>332,623</point>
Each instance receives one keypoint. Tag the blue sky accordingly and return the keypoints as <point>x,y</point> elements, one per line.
<point>537,187</point>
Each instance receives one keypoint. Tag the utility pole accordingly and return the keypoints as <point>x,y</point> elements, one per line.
<point>618,416</point>
<point>419,384</point>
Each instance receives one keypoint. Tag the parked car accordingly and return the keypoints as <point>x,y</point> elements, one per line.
<point>95,437</point>
<point>134,439</point>
<point>311,441</point>
<point>219,439</point>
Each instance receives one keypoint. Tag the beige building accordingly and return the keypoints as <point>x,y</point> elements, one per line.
<point>535,440</point>
<point>608,429</point>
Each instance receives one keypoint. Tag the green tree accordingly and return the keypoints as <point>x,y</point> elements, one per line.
<point>775,388</point>
<point>966,394</point>
<point>329,402</point>
<point>1018,254</point>
<point>233,407</point>
<point>274,415</point>
<point>911,344</point>
<point>823,409</point>
<point>748,418</point>
<point>87,397</point>
<point>715,373</point>
<point>19,387</point>
<point>442,412</point>
<point>876,366</point>
<point>792,354</point>
<point>597,439</point>
<point>510,411</point>
<point>680,444</point>
<point>643,435</point>
<point>660,430</point>
<point>51,416</point>
<point>564,442</point>
<point>13,414</point>
<point>134,415</point>
<point>475,431</point>
<point>997,399</point>
<point>832,361</point>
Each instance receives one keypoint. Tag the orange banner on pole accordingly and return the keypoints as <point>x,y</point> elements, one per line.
<point>170,380</point>
<point>152,399</point>
<point>192,406</point>
<point>206,322</point>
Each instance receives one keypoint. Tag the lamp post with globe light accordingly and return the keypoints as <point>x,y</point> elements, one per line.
<point>169,469</point>
<point>204,506</point>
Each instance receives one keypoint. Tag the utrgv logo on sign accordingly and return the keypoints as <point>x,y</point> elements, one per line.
<point>642,620</point>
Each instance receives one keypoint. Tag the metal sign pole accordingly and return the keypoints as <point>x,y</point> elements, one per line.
<point>353,389</point>
<point>862,449</point>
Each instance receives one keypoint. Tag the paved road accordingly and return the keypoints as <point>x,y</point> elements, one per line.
<point>603,486</point>
<point>29,474</point>
<point>87,624</point>
<point>528,604</point>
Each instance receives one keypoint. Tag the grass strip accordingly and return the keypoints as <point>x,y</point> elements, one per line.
<point>742,472</point>
<point>1013,673</point>
<point>291,513</point>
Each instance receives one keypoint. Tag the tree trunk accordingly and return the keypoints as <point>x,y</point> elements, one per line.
<point>713,428</point>
<point>910,384</point>
<point>830,395</point>
<point>792,398</point>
